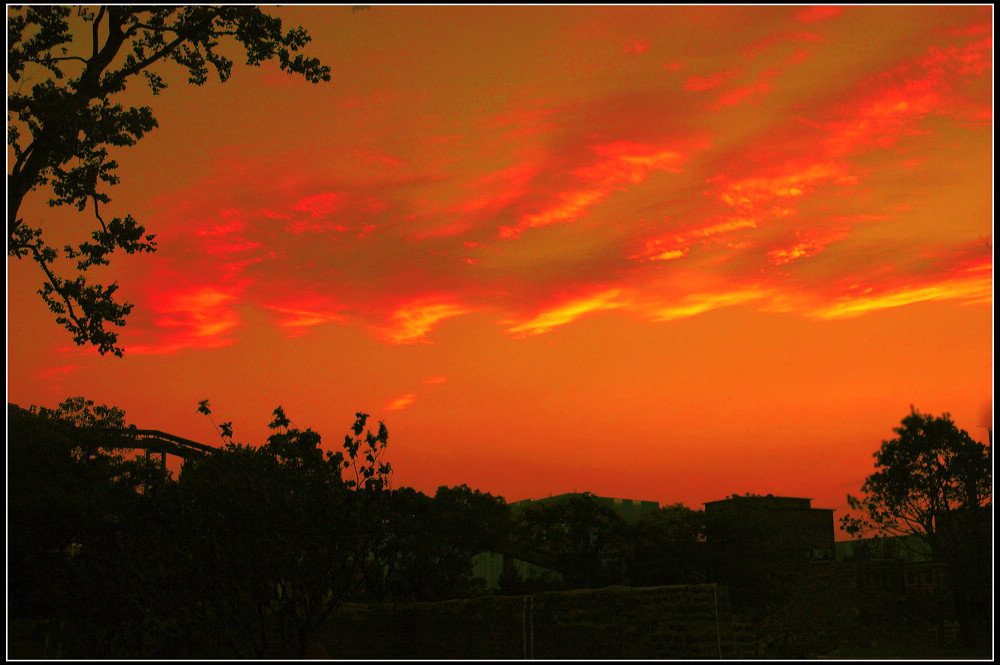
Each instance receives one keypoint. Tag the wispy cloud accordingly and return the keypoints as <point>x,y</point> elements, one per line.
<point>411,323</point>
<point>566,312</point>
<point>737,176</point>
<point>401,402</point>
<point>199,317</point>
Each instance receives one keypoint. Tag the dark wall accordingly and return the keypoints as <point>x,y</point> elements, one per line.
<point>613,623</point>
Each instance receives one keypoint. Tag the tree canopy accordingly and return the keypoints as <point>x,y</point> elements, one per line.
<point>63,130</point>
<point>930,469</point>
<point>935,481</point>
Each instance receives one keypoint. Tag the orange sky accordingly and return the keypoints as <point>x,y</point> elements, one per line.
<point>662,253</point>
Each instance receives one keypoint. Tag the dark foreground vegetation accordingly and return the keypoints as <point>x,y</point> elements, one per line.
<point>296,548</point>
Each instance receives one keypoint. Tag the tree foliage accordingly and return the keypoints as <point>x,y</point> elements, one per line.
<point>63,130</point>
<point>268,540</point>
<point>81,538</point>
<point>667,546</point>
<point>428,553</point>
<point>934,481</point>
<point>579,537</point>
<point>930,469</point>
<point>244,554</point>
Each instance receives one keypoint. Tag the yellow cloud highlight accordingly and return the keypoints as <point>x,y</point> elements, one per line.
<point>624,162</point>
<point>796,181</point>
<point>677,245</point>
<point>199,318</point>
<point>297,319</point>
<point>694,304</point>
<point>202,313</point>
<point>567,313</point>
<point>974,288</point>
<point>809,243</point>
<point>411,323</point>
<point>669,255</point>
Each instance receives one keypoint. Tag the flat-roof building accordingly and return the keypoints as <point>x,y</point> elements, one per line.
<point>785,524</point>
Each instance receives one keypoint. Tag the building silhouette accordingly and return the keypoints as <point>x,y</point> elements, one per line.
<point>788,527</point>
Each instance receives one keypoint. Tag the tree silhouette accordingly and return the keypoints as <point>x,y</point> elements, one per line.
<point>62,130</point>
<point>225,430</point>
<point>84,534</point>
<point>580,538</point>
<point>930,469</point>
<point>667,547</point>
<point>429,545</point>
<point>934,481</point>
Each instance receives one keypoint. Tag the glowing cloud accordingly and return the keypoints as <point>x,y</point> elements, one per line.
<point>817,14</point>
<point>975,285</point>
<point>297,320</point>
<point>694,304</point>
<point>400,402</point>
<point>61,370</point>
<point>320,205</point>
<point>789,182</point>
<point>635,45</point>
<point>808,243</point>
<point>717,80</point>
<point>412,322</point>
<point>567,312</point>
<point>677,245</point>
<point>624,163</point>
<point>200,317</point>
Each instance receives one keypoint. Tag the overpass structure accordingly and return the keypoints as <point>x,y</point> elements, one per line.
<point>156,442</point>
<point>150,441</point>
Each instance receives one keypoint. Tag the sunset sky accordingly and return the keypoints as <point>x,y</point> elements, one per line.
<point>660,253</point>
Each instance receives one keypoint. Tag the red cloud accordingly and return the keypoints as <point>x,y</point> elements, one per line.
<point>717,80</point>
<point>767,203</point>
<point>677,245</point>
<point>808,243</point>
<point>635,45</point>
<point>320,205</point>
<point>624,163</point>
<point>744,93</point>
<point>401,402</point>
<point>297,314</point>
<point>819,13</point>
<point>197,317</point>
<point>891,105</point>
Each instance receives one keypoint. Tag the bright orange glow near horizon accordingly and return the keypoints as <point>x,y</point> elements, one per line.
<point>663,253</point>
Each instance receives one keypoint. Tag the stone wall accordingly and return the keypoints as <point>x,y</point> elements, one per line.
<point>673,622</point>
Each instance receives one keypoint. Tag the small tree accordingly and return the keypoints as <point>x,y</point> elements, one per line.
<point>62,130</point>
<point>582,539</point>
<point>667,546</point>
<point>277,538</point>
<point>433,558</point>
<point>929,470</point>
<point>934,481</point>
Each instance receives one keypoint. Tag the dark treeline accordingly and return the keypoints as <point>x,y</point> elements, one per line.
<point>250,549</point>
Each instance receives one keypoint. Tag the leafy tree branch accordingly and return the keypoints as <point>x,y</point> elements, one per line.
<point>62,131</point>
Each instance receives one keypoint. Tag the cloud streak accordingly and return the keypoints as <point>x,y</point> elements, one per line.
<point>701,180</point>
